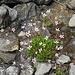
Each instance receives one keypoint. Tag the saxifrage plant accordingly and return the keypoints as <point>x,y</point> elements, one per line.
<point>42,48</point>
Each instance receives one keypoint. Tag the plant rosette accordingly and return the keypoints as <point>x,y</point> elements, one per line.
<point>42,49</point>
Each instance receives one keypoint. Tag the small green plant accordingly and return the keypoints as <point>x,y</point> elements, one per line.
<point>47,21</point>
<point>58,71</point>
<point>42,48</point>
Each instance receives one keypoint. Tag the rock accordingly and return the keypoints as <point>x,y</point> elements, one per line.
<point>72,69</point>
<point>12,12</point>
<point>2,13</point>
<point>72,21</point>
<point>7,57</point>
<point>12,70</point>
<point>42,1</point>
<point>2,71</point>
<point>71,4</point>
<point>8,43</point>
<point>63,59</point>
<point>27,68</point>
<point>42,68</point>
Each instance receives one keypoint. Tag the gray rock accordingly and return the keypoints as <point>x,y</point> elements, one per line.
<point>42,68</point>
<point>72,69</point>
<point>3,12</point>
<point>63,59</point>
<point>72,21</point>
<point>2,71</point>
<point>71,4</point>
<point>42,1</point>
<point>12,12</point>
<point>27,68</point>
<point>12,70</point>
<point>8,43</point>
<point>7,57</point>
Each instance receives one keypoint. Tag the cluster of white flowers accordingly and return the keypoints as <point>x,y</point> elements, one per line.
<point>25,43</point>
<point>43,14</point>
<point>36,29</point>
<point>43,28</point>
<point>40,50</point>
<point>56,23</point>
<point>28,34</point>
<point>48,11</point>
<point>22,33</point>
<point>23,26</point>
<point>56,41</point>
<point>21,43</point>
<point>30,24</point>
<point>40,43</point>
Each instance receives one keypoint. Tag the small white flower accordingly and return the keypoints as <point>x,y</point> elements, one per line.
<point>56,41</point>
<point>14,63</point>
<point>2,30</point>
<point>30,41</point>
<point>43,14</point>
<point>22,66</point>
<point>59,48</point>
<point>21,49</point>
<point>36,52</point>
<point>13,29</point>
<point>21,33</point>
<point>30,24</point>
<point>49,61</point>
<point>57,29</point>
<point>48,11</point>
<point>61,36</point>
<point>40,50</point>
<point>40,43</point>
<point>7,41</point>
<point>56,22</point>
<point>34,60</point>
<point>23,26</point>
<point>29,47</point>
<point>46,37</point>
<point>28,34</point>
<point>56,55</point>
<point>34,24</point>
<point>36,29</point>
<point>44,45</point>
<point>43,28</point>
<point>21,43</point>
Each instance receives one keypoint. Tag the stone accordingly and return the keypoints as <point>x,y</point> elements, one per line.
<point>12,70</point>
<point>42,68</point>
<point>27,68</point>
<point>8,43</point>
<point>71,4</point>
<point>12,12</point>
<point>72,69</point>
<point>7,57</point>
<point>2,13</point>
<point>63,59</point>
<point>42,1</point>
<point>2,71</point>
<point>72,21</point>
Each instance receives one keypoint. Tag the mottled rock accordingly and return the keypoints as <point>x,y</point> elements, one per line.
<point>12,70</point>
<point>7,57</point>
<point>71,4</point>
<point>72,21</point>
<point>12,12</point>
<point>8,43</point>
<point>2,71</point>
<point>42,1</point>
<point>42,68</point>
<point>72,69</point>
<point>63,59</point>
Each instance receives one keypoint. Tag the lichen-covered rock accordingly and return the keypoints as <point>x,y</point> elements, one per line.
<point>9,42</point>
<point>2,71</point>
